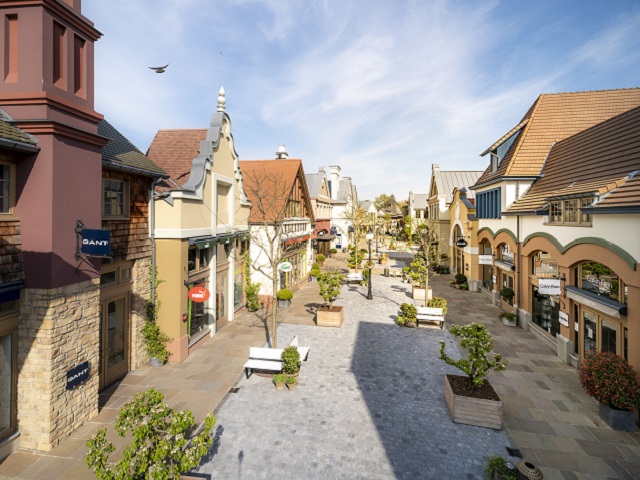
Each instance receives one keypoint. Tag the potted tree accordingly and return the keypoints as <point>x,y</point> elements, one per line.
<point>320,259</point>
<point>471,399</point>
<point>407,315</point>
<point>609,379</point>
<point>290,361</point>
<point>284,296</point>
<point>419,273</point>
<point>333,252</point>
<point>329,315</point>
<point>291,382</point>
<point>313,274</point>
<point>156,342</point>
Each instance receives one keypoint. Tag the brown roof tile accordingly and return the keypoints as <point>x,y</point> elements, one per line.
<point>554,117</point>
<point>596,160</point>
<point>174,151</point>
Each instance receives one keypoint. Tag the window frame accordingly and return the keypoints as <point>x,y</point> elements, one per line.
<point>558,211</point>
<point>12,189</point>
<point>126,203</point>
<point>9,326</point>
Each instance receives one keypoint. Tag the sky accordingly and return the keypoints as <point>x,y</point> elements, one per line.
<point>382,88</point>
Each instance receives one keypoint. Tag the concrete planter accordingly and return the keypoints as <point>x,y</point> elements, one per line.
<point>418,293</point>
<point>330,318</point>
<point>618,419</point>
<point>472,411</point>
<point>284,303</point>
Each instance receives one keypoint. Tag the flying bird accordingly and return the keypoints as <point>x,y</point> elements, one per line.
<point>160,69</point>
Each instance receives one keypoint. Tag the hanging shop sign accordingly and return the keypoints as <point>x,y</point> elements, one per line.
<point>485,259</point>
<point>96,243</point>
<point>285,267</point>
<point>494,279</point>
<point>549,286</point>
<point>461,243</point>
<point>77,375</point>
<point>564,318</point>
<point>339,241</point>
<point>199,294</point>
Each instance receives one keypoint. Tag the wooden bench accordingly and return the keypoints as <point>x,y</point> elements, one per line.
<point>270,359</point>
<point>430,314</point>
<point>354,277</point>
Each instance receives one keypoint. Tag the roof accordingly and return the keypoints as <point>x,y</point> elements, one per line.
<point>17,138</point>
<point>174,151</point>
<point>600,160</point>
<point>450,179</point>
<point>420,201</point>
<point>268,185</point>
<point>314,183</point>
<point>344,191</point>
<point>552,118</point>
<point>119,153</point>
<point>392,207</point>
<point>365,205</point>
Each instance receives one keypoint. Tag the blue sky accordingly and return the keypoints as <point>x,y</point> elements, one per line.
<point>383,88</point>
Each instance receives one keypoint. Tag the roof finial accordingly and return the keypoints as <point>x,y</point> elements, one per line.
<point>221,99</point>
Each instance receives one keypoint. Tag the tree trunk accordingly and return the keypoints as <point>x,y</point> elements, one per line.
<point>274,313</point>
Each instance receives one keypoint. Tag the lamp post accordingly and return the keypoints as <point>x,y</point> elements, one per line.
<point>369,237</point>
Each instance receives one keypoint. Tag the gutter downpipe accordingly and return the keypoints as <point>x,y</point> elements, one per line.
<point>518,266</point>
<point>152,227</point>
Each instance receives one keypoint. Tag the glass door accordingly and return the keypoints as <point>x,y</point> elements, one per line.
<point>601,333</point>
<point>507,282</point>
<point>115,340</point>
<point>222,304</point>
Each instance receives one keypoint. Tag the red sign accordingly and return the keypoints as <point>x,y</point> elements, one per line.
<point>297,240</point>
<point>199,294</point>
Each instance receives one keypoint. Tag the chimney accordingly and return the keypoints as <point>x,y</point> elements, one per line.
<point>334,181</point>
<point>282,154</point>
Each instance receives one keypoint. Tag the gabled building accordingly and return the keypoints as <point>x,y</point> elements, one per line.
<point>393,213</point>
<point>320,197</point>
<point>280,222</point>
<point>201,231</point>
<point>463,254</point>
<point>417,205</point>
<point>344,200</point>
<point>441,187</point>
<point>569,259</point>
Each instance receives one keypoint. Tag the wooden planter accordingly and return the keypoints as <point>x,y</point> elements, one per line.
<point>472,411</point>
<point>418,293</point>
<point>326,317</point>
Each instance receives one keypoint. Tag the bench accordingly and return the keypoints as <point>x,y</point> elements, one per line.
<point>430,314</point>
<point>354,277</point>
<point>270,359</point>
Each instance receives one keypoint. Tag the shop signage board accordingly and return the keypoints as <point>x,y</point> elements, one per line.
<point>96,243</point>
<point>461,242</point>
<point>549,286</point>
<point>199,294</point>
<point>485,259</point>
<point>285,267</point>
<point>77,375</point>
<point>494,279</point>
<point>338,240</point>
<point>564,319</point>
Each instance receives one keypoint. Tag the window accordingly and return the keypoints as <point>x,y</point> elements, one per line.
<point>488,203</point>
<point>293,209</point>
<point>500,152</point>
<point>570,211</point>
<point>198,258</point>
<point>115,198</point>
<point>8,367</point>
<point>597,278</point>
<point>6,192</point>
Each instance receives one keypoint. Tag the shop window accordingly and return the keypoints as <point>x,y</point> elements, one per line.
<point>590,329</point>
<point>488,203</point>
<point>597,278</point>
<point>601,333</point>
<point>544,265</point>
<point>115,198</point>
<point>506,254</point>
<point>625,343</point>
<point>7,187</point>
<point>569,212</point>
<point>546,312</point>
<point>8,367</point>
<point>198,258</point>
<point>198,318</point>
<point>609,336</point>
<point>108,278</point>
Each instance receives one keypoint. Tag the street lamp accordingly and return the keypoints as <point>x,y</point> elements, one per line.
<point>369,237</point>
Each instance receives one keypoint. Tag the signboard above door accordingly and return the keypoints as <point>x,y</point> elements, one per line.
<point>285,267</point>
<point>549,286</point>
<point>485,259</point>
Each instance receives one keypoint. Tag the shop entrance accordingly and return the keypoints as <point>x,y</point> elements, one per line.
<point>507,281</point>
<point>222,301</point>
<point>114,335</point>
<point>601,333</point>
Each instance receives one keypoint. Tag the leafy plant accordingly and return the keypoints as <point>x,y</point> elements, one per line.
<point>330,283</point>
<point>497,464</point>
<point>464,286</point>
<point>314,272</point>
<point>156,341</point>
<point>460,278</point>
<point>333,251</point>
<point>405,269</point>
<point>509,316</point>
<point>280,378</point>
<point>320,258</point>
<point>291,380</point>
<point>284,294</point>
<point>291,360</point>
<point>609,379</point>
<point>315,266</point>
<point>476,339</point>
<point>355,257</point>
<point>160,447</point>
<point>408,314</point>
<point>507,293</point>
<point>400,321</point>
<point>438,302</point>
<point>251,290</point>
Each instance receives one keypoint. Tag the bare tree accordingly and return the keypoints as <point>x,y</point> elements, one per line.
<point>357,218</point>
<point>427,238</point>
<point>276,217</point>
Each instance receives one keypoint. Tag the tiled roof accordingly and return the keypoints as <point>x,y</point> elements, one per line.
<point>268,185</point>
<point>554,117</point>
<point>450,179</point>
<point>120,153</point>
<point>174,151</point>
<point>597,160</point>
<point>11,133</point>
<point>392,207</point>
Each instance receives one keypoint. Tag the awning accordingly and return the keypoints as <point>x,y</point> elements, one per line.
<point>291,241</point>
<point>603,304</point>
<point>208,242</point>
<point>504,265</point>
<point>10,291</point>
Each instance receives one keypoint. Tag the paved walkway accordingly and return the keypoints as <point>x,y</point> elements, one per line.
<point>369,402</point>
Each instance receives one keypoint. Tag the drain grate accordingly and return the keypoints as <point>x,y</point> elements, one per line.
<point>514,452</point>
<point>234,389</point>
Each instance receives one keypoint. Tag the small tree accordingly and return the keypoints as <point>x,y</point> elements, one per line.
<point>330,283</point>
<point>159,449</point>
<point>427,238</point>
<point>357,218</point>
<point>251,289</point>
<point>477,340</point>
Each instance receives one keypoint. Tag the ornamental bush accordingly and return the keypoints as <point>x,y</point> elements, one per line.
<point>321,258</point>
<point>460,278</point>
<point>284,294</point>
<point>315,266</point>
<point>314,272</point>
<point>333,251</point>
<point>290,360</point>
<point>507,293</point>
<point>438,302</point>
<point>476,339</point>
<point>407,314</point>
<point>609,379</point>
<point>162,446</point>
<point>330,283</point>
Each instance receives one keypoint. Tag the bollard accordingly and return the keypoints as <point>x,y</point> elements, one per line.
<point>386,272</point>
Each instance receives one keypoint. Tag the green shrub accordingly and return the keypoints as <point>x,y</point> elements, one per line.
<point>460,278</point>
<point>464,286</point>
<point>405,269</point>
<point>251,290</point>
<point>509,316</point>
<point>315,272</point>
<point>408,313</point>
<point>609,379</point>
<point>438,302</point>
<point>497,464</point>
<point>330,283</point>
<point>321,258</point>
<point>400,321</point>
<point>156,341</point>
<point>291,360</point>
<point>280,378</point>
<point>284,294</point>
<point>333,251</point>
<point>477,340</point>
<point>315,266</point>
<point>291,380</point>
<point>507,293</point>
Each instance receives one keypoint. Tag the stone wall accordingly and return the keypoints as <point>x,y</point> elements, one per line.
<point>59,329</point>
<point>141,292</point>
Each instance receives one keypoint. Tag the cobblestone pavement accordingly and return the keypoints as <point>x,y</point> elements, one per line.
<point>369,404</point>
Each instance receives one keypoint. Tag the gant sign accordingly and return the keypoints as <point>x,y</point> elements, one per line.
<point>96,243</point>
<point>77,375</point>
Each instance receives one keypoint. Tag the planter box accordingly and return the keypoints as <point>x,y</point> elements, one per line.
<point>509,323</point>
<point>618,419</point>
<point>418,293</point>
<point>472,411</point>
<point>329,318</point>
<point>284,303</point>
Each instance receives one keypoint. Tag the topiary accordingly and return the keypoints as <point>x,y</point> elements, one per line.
<point>333,251</point>
<point>284,294</point>
<point>408,314</point>
<point>314,272</point>
<point>330,283</point>
<point>438,302</point>
<point>291,360</point>
<point>460,278</point>
<point>315,266</point>
<point>320,258</point>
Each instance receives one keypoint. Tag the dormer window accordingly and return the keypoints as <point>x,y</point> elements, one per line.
<point>569,211</point>
<point>498,154</point>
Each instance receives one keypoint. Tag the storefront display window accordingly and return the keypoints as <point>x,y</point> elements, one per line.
<point>609,334</point>
<point>198,318</point>
<point>590,328</point>
<point>238,286</point>
<point>597,278</point>
<point>544,265</point>
<point>546,312</point>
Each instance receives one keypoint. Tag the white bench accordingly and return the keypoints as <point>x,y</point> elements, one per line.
<point>430,314</point>
<point>270,358</point>
<point>354,277</point>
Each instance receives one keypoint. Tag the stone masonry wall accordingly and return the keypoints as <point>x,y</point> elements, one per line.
<point>59,329</point>
<point>141,293</point>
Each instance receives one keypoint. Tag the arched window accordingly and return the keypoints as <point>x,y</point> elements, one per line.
<point>597,278</point>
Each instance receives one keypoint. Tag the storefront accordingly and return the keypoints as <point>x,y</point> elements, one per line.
<point>506,275</point>
<point>485,261</point>
<point>545,296</point>
<point>296,254</point>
